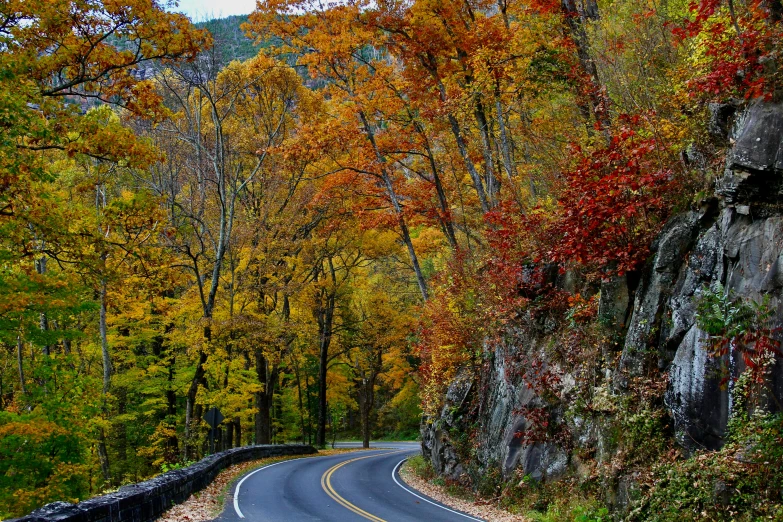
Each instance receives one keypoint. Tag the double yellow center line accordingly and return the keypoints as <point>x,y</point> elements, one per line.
<point>326,484</point>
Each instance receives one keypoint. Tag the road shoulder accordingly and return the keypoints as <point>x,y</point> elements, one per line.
<point>440,494</point>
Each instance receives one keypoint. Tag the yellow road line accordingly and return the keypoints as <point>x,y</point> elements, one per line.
<point>326,484</point>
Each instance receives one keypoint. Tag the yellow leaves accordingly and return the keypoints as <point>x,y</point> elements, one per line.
<point>700,44</point>
<point>429,241</point>
<point>377,243</point>
<point>339,387</point>
<point>100,423</point>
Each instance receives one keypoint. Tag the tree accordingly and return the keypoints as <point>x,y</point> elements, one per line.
<point>228,122</point>
<point>341,58</point>
<point>376,344</point>
<point>59,59</point>
<point>335,259</point>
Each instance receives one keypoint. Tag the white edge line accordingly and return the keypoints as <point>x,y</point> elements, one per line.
<point>394,476</point>
<point>239,484</point>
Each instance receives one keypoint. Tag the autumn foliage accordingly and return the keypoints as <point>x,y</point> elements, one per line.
<point>317,237</point>
<point>737,46</point>
<point>614,203</point>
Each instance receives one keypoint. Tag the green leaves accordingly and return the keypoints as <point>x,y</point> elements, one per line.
<point>40,462</point>
<point>741,325</point>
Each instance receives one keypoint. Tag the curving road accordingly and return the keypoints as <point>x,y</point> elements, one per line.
<point>351,487</point>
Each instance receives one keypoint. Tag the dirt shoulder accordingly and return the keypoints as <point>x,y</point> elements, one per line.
<point>466,504</point>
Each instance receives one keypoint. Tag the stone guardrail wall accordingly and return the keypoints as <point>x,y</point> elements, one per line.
<point>147,500</point>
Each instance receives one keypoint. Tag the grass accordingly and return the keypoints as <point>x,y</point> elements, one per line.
<point>422,468</point>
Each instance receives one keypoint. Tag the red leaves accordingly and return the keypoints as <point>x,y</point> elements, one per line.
<point>545,6</point>
<point>614,204</point>
<point>740,49</point>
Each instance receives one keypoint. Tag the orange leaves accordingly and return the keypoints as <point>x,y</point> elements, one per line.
<point>71,48</point>
<point>454,324</point>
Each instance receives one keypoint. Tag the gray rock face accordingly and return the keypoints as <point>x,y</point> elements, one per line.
<point>437,444</point>
<point>759,146</point>
<point>653,294</point>
<point>614,302</point>
<point>734,241</point>
<point>721,115</point>
<point>738,250</point>
<point>744,255</point>
<point>753,180</point>
<point>695,398</point>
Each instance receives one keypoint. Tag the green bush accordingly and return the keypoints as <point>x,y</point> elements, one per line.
<point>743,481</point>
<point>40,462</point>
<point>571,509</point>
<point>421,467</point>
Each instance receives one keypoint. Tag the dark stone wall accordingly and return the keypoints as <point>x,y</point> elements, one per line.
<point>148,500</point>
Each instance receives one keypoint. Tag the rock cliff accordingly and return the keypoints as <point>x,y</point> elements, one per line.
<point>649,333</point>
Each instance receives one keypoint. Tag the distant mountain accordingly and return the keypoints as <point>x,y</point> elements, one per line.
<point>230,41</point>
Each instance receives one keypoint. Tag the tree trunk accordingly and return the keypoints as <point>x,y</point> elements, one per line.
<point>103,456</point>
<point>20,366</point>
<point>190,401</point>
<point>274,382</point>
<point>263,424</point>
<point>228,440</point>
<point>406,237</point>
<point>238,431</point>
<point>325,340</point>
<point>448,224</point>
<point>463,152</point>
<point>120,429</point>
<point>309,408</point>
<point>102,451</point>
<point>478,185</point>
<point>169,418</point>
<point>301,405</point>
<point>505,147</point>
<point>172,443</point>
<point>40,267</point>
<point>334,431</point>
<point>492,182</point>
<point>365,428</point>
<point>575,20</point>
<point>366,393</point>
<point>366,399</point>
<point>104,341</point>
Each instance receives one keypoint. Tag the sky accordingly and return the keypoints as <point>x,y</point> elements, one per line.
<point>200,10</point>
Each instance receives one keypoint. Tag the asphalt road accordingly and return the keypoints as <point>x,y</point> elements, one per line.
<point>351,487</point>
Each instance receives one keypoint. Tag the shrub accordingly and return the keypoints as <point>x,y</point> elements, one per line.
<point>40,462</point>
<point>743,481</point>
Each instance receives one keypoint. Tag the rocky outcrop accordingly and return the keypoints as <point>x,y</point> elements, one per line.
<point>437,444</point>
<point>743,255</point>
<point>653,295</point>
<point>734,241</point>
